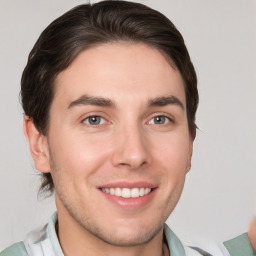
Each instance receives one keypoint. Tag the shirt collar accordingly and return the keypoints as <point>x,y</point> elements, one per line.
<point>175,246</point>
<point>53,235</point>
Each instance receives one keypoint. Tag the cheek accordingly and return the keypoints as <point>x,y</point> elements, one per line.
<point>174,152</point>
<point>173,155</point>
<point>78,155</point>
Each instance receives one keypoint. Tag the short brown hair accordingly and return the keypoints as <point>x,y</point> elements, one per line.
<point>86,26</point>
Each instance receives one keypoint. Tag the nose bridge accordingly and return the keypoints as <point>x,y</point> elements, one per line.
<point>131,147</point>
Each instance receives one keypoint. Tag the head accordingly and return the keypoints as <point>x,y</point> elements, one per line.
<point>82,45</point>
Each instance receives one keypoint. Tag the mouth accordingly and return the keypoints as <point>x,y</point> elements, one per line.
<point>127,192</point>
<point>129,195</point>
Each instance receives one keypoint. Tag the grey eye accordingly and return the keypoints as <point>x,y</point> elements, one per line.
<point>159,120</point>
<point>94,120</point>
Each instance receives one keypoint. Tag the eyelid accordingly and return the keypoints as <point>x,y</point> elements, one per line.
<point>154,115</point>
<point>166,121</point>
<point>94,124</point>
<point>94,114</point>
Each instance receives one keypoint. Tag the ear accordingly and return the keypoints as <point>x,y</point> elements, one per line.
<point>38,146</point>
<point>190,155</point>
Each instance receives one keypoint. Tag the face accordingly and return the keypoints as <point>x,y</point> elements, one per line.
<point>118,144</point>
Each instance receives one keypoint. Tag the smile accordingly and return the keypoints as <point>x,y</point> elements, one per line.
<point>126,192</point>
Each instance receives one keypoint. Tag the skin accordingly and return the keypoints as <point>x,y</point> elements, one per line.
<point>128,145</point>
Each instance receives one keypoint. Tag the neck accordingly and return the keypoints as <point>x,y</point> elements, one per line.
<point>76,240</point>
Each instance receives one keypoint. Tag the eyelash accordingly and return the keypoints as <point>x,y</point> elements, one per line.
<point>95,117</point>
<point>161,116</point>
<point>102,120</point>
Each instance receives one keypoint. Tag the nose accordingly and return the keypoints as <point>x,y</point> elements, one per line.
<point>131,149</point>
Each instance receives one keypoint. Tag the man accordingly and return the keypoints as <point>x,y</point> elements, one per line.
<point>110,96</point>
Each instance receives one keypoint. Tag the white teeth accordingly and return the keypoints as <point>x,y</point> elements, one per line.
<point>135,193</point>
<point>142,191</point>
<point>147,190</point>
<point>112,191</point>
<point>118,192</point>
<point>126,192</point>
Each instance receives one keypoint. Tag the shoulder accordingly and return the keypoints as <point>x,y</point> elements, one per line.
<point>239,245</point>
<point>17,249</point>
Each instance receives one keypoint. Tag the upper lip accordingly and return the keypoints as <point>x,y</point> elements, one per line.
<point>125,184</point>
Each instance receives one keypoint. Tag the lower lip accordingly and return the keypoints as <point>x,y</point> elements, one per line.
<point>131,203</point>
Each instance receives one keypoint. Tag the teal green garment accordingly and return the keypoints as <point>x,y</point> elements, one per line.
<point>17,249</point>
<point>175,246</point>
<point>239,246</point>
<point>53,235</point>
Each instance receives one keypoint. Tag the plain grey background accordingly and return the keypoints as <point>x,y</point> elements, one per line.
<point>219,196</point>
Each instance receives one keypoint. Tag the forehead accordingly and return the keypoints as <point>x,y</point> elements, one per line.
<point>120,71</point>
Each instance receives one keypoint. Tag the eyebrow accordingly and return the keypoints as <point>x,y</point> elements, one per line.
<point>90,100</point>
<point>105,102</point>
<point>164,101</point>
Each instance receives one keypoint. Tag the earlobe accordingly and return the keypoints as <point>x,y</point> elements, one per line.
<point>38,146</point>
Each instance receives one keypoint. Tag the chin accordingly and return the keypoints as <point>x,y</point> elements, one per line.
<point>127,237</point>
